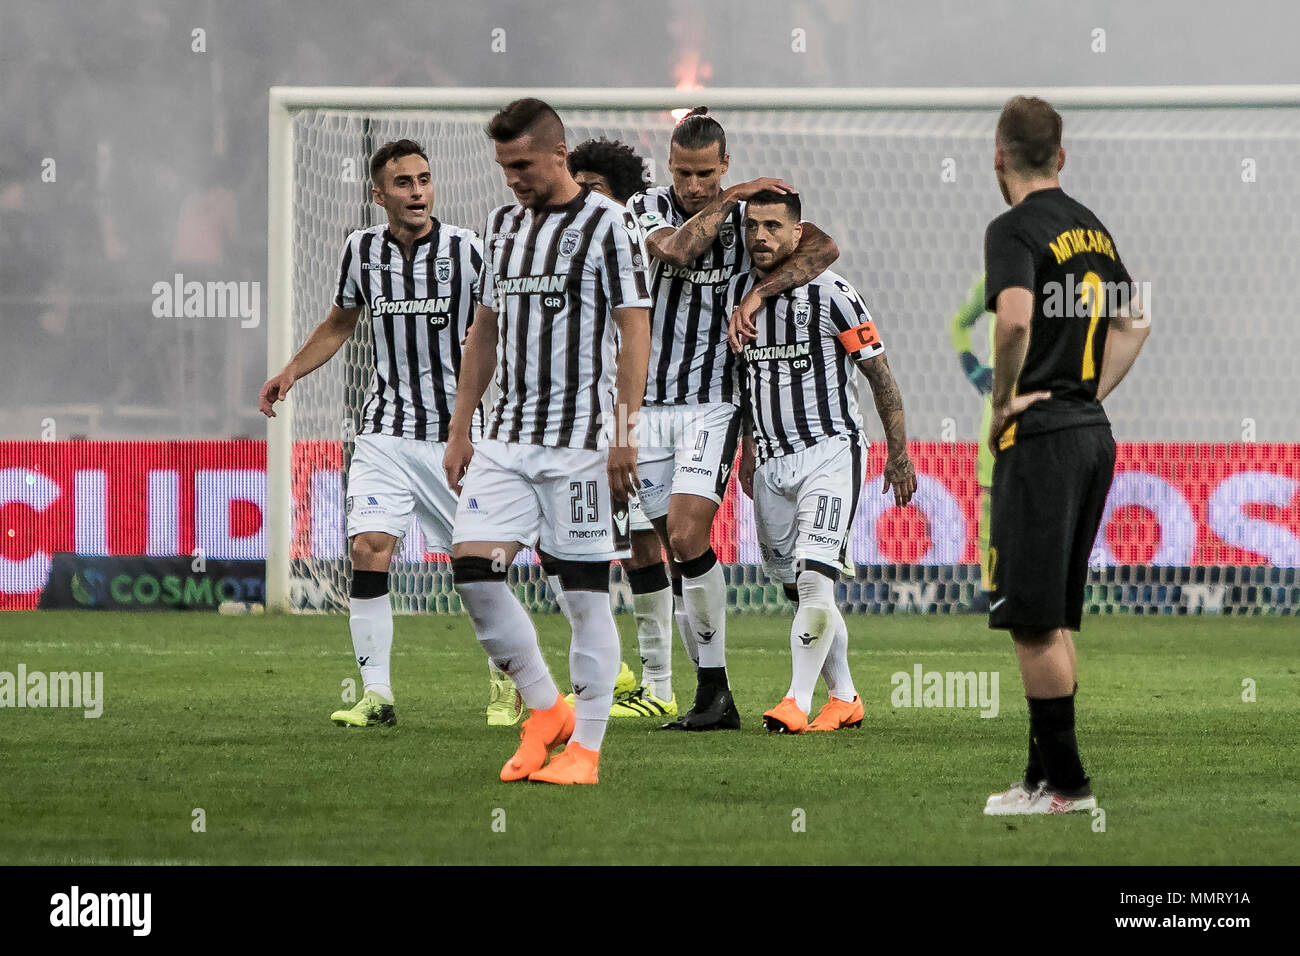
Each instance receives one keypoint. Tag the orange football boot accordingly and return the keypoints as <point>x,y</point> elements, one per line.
<point>837,714</point>
<point>542,732</point>
<point>785,718</point>
<point>576,764</point>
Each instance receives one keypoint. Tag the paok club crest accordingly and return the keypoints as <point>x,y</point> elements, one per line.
<point>727,235</point>
<point>802,313</point>
<point>569,240</point>
<point>442,269</point>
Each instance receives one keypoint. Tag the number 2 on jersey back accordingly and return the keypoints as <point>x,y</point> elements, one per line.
<point>1090,299</point>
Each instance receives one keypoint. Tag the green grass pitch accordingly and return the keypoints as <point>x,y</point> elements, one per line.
<point>229,714</point>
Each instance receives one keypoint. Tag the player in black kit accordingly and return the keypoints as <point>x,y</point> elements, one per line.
<point>1068,329</point>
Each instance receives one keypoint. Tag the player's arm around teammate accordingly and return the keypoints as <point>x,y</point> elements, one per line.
<point>689,444</point>
<point>686,243</point>
<point>815,253</point>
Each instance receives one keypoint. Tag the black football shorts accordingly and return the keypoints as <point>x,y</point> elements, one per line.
<point>1049,492</point>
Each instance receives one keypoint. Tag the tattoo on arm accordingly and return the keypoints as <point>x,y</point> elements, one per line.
<point>889,401</point>
<point>813,256</point>
<point>693,238</point>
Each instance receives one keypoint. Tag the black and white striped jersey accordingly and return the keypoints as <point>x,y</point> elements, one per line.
<point>555,277</point>
<point>690,361</point>
<point>797,376</point>
<point>420,309</point>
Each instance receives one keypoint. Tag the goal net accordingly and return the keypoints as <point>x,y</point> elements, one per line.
<point>1198,193</point>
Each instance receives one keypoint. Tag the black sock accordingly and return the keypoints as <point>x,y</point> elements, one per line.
<point>713,677</point>
<point>1034,768</point>
<point>1051,728</point>
<point>647,580</point>
<point>369,584</point>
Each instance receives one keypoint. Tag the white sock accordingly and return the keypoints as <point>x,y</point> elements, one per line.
<point>557,590</point>
<point>705,597</point>
<point>836,669</point>
<point>506,632</point>
<point>593,664</point>
<point>371,623</point>
<point>811,635</point>
<point>654,616</point>
<point>684,626</point>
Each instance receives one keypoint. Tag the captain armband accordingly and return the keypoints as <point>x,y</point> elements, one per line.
<point>862,339</point>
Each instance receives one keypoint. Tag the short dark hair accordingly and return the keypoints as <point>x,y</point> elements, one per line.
<point>616,161</point>
<point>1029,132</point>
<point>394,150</point>
<point>697,130</point>
<point>527,116</point>
<point>770,197</point>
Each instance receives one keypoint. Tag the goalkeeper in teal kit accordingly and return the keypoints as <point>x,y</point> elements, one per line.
<point>981,376</point>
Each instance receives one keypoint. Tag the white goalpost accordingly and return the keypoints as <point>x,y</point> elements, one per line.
<point>1197,184</point>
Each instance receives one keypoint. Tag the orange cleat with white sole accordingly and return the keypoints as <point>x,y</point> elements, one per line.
<point>542,732</point>
<point>837,714</point>
<point>785,718</point>
<point>576,764</point>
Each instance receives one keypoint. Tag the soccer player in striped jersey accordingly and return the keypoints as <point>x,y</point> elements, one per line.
<point>694,232</point>
<point>420,279</point>
<point>802,453</point>
<point>613,168</point>
<point>562,267</point>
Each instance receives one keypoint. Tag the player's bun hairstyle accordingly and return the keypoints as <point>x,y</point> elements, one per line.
<point>697,130</point>
<point>616,161</point>
<point>527,116</point>
<point>770,197</point>
<point>1029,132</point>
<point>394,150</point>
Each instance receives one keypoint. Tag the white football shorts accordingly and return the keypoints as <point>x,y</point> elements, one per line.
<point>685,450</point>
<point>555,498</point>
<point>804,505</point>
<point>391,477</point>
